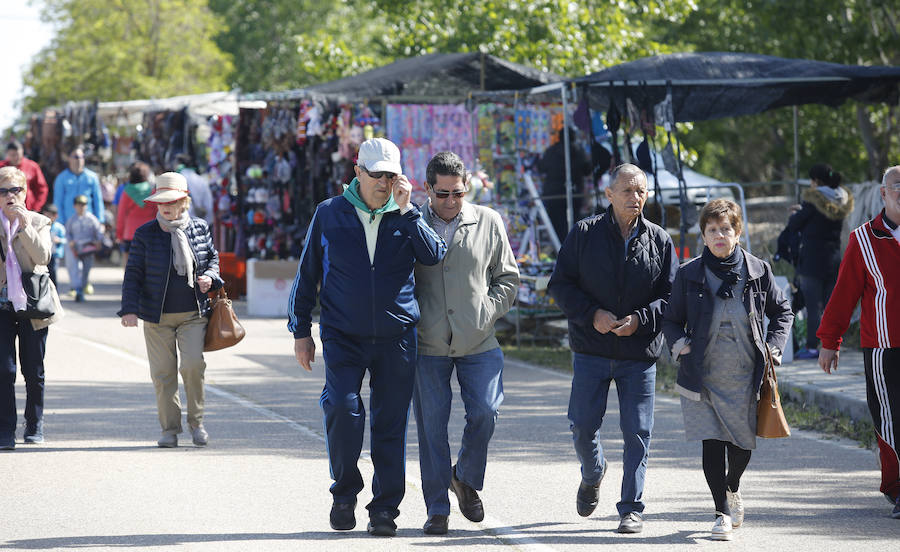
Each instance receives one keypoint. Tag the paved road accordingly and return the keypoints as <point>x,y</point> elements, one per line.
<point>100,482</point>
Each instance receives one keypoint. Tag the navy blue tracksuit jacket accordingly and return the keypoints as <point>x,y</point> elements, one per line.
<point>367,322</point>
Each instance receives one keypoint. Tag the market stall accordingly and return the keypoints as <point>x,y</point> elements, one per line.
<point>301,148</point>
<point>666,89</point>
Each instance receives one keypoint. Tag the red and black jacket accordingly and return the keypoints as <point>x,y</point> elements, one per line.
<point>870,271</point>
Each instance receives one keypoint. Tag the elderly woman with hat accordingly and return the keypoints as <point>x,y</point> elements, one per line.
<point>24,248</point>
<point>172,264</point>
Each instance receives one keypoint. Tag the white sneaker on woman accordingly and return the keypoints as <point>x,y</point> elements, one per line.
<point>721,530</point>
<point>736,505</point>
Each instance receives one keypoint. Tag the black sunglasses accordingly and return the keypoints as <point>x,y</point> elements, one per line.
<point>14,190</point>
<point>380,174</point>
<point>444,194</point>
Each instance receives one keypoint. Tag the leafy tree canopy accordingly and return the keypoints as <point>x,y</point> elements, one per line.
<point>111,50</point>
<point>563,36</point>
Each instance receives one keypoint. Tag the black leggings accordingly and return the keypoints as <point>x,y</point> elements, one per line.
<point>714,469</point>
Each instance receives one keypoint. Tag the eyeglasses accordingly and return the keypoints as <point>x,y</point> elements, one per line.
<point>77,156</point>
<point>14,190</point>
<point>894,187</point>
<point>444,194</point>
<point>381,174</point>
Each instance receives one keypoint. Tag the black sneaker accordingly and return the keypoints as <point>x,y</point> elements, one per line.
<point>342,517</point>
<point>34,433</point>
<point>895,513</point>
<point>7,442</point>
<point>469,503</point>
<point>589,495</point>
<point>381,524</point>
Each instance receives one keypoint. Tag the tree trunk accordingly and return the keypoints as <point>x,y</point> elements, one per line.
<point>877,157</point>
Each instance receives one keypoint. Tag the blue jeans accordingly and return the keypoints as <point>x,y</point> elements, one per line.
<point>635,384</point>
<point>32,345</point>
<point>391,365</point>
<point>480,380</point>
<point>79,268</point>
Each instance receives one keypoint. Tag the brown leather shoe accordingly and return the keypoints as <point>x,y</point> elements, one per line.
<point>437,524</point>
<point>469,503</point>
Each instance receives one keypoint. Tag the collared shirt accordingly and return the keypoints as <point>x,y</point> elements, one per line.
<point>632,235</point>
<point>444,228</point>
<point>892,226</point>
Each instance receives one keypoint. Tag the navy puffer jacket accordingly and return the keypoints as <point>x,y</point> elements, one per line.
<point>150,260</point>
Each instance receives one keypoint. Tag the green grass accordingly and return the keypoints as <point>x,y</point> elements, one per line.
<point>811,417</point>
<point>558,358</point>
<point>799,415</point>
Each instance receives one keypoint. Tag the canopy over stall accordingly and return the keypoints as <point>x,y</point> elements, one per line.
<point>700,86</point>
<point>433,76</point>
<point>199,105</point>
<point>712,85</point>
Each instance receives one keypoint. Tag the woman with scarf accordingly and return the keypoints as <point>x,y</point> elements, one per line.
<point>714,321</point>
<point>172,264</point>
<point>133,211</point>
<point>26,247</point>
<point>818,223</point>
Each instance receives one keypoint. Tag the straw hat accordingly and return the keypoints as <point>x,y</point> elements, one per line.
<point>170,186</point>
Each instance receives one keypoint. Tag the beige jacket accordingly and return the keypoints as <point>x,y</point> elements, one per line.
<point>476,283</point>
<point>33,246</point>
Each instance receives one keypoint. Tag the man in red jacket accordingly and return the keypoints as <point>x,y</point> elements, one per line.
<point>37,186</point>
<point>871,271</point>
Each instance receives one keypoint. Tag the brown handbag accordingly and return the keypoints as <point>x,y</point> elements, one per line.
<point>224,329</point>
<point>770,420</point>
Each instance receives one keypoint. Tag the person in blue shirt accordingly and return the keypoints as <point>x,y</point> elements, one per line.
<point>57,238</point>
<point>75,181</point>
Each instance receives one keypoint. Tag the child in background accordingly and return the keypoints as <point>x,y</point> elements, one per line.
<point>57,237</point>
<point>85,239</point>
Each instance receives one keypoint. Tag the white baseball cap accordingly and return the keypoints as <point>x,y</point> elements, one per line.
<point>379,155</point>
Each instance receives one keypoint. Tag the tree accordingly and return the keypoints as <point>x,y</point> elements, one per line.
<point>563,36</point>
<point>112,50</point>
<point>262,39</point>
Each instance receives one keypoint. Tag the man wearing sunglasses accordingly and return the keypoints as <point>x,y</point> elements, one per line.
<point>460,298</point>
<point>73,182</point>
<point>870,276</point>
<point>358,260</point>
<point>37,185</point>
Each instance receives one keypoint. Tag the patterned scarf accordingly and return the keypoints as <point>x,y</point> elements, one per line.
<point>14,290</point>
<point>184,257</point>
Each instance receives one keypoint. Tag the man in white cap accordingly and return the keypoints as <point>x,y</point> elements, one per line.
<point>360,251</point>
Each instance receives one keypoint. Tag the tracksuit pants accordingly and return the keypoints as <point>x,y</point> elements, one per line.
<point>391,365</point>
<point>882,368</point>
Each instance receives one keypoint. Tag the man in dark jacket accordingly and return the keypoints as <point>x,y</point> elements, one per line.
<point>358,259</point>
<point>612,279</point>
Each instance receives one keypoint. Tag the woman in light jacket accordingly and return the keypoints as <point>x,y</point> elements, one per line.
<point>25,244</point>
<point>172,264</point>
<point>714,321</point>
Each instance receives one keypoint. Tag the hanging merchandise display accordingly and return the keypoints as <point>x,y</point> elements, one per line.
<point>422,130</point>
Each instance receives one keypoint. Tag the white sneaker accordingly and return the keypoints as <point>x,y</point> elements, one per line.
<point>736,505</point>
<point>721,530</point>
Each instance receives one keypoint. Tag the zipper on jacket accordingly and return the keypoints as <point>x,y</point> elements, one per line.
<point>197,262</point>
<point>372,282</point>
<point>162,305</point>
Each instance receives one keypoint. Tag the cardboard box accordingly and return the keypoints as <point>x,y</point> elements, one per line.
<point>269,286</point>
